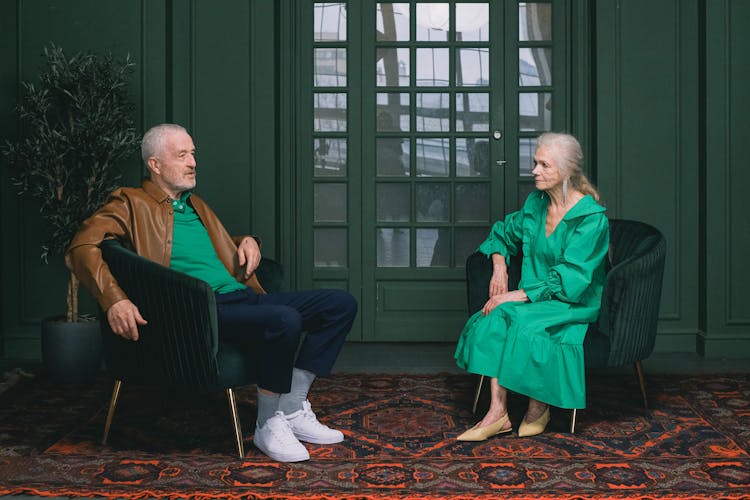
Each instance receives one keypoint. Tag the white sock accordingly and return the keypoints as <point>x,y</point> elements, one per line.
<point>301,382</point>
<point>267,406</point>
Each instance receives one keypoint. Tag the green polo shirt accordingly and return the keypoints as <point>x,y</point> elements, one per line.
<point>192,250</point>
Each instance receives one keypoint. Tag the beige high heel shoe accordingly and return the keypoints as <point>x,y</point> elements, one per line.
<point>527,429</point>
<point>477,433</point>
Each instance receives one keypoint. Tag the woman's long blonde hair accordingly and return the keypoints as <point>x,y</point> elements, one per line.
<point>569,158</point>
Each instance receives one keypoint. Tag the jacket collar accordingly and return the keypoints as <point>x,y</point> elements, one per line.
<point>155,191</point>
<point>585,206</point>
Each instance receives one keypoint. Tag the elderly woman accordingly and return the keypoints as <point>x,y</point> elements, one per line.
<point>530,340</point>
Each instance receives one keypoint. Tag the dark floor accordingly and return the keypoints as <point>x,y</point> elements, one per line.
<point>438,357</point>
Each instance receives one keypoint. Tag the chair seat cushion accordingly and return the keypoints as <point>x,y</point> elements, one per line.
<point>235,369</point>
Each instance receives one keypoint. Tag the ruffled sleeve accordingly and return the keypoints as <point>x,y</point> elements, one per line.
<point>585,247</point>
<point>505,237</point>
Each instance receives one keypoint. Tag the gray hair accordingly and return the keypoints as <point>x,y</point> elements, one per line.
<point>568,155</point>
<point>153,140</point>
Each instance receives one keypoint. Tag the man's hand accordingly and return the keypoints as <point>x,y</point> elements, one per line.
<point>124,318</point>
<point>248,254</point>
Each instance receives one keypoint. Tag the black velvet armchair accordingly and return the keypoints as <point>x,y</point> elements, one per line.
<point>626,329</point>
<point>179,348</point>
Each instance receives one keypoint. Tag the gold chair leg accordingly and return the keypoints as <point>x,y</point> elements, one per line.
<point>641,382</point>
<point>111,412</point>
<point>573,421</point>
<point>478,392</point>
<point>236,423</point>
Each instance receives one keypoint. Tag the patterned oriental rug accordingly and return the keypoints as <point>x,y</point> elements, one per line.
<point>400,443</point>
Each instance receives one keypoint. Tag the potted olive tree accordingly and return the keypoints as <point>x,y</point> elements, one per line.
<point>77,128</point>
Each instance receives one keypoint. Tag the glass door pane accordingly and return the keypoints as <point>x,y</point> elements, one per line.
<point>330,184</point>
<point>420,120</point>
<point>429,107</point>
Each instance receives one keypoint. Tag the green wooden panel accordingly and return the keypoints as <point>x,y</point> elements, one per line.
<point>728,232</point>
<point>31,289</point>
<point>223,89</point>
<point>418,296</point>
<point>418,328</point>
<point>738,75</point>
<point>220,107</point>
<point>9,223</point>
<point>264,160</point>
<point>647,127</point>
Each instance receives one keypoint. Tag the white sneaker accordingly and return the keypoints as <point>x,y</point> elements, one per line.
<point>276,440</point>
<point>306,427</point>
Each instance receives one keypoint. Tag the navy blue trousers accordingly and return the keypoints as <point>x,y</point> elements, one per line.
<point>272,325</point>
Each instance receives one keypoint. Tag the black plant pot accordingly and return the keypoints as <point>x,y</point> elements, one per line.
<point>71,352</point>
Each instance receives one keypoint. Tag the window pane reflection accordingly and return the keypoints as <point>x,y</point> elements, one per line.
<point>330,112</point>
<point>392,156</point>
<point>526,150</point>
<point>534,67</point>
<point>534,21</point>
<point>535,109</point>
<point>433,157</point>
<point>432,110</point>
<point>467,242</point>
<point>432,67</point>
<point>473,202</point>
<point>472,22</point>
<point>433,202</point>
<point>473,67</point>
<point>329,21</point>
<point>392,112</point>
<point>392,68</point>
<point>433,22</point>
<point>392,22</point>
<point>393,202</point>
<point>433,247</point>
<point>472,112</point>
<point>330,67</point>
<point>393,247</point>
<point>472,157</point>
<point>330,157</point>
<point>330,202</point>
<point>330,247</point>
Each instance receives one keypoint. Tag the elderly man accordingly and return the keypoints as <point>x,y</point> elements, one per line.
<point>165,222</point>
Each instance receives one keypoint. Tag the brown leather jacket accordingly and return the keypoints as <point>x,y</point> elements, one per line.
<point>142,219</point>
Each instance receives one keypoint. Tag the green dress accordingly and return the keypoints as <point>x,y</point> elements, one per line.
<point>536,348</point>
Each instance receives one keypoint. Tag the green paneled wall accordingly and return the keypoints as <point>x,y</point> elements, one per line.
<point>208,66</point>
<point>727,327</point>
<point>32,290</point>
<point>664,83</point>
<point>647,139</point>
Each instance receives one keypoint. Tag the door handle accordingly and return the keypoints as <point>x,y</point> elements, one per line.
<point>501,163</point>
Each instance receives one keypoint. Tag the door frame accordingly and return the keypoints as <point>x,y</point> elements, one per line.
<point>293,49</point>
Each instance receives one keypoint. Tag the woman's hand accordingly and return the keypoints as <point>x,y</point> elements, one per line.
<point>499,279</point>
<point>501,298</point>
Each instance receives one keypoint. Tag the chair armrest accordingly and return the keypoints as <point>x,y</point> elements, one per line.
<point>178,346</point>
<point>478,274</point>
<point>270,274</point>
